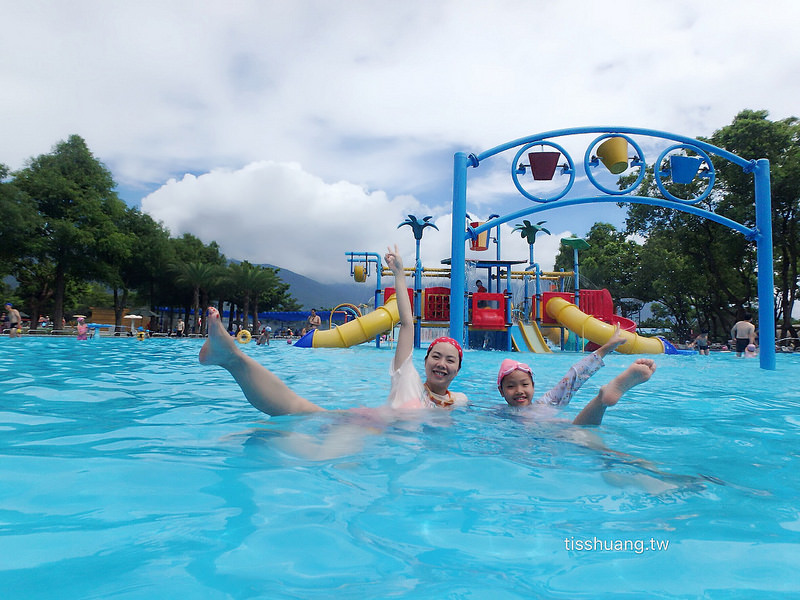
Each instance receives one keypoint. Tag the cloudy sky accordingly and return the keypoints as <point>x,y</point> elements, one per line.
<point>293,131</point>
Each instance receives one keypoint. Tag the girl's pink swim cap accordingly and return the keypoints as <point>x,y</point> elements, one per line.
<point>510,365</point>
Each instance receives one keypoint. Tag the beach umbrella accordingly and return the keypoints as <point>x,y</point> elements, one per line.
<point>132,318</point>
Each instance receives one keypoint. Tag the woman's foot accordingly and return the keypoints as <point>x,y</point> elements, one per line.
<point>638,372</point>
<point>219,348</point>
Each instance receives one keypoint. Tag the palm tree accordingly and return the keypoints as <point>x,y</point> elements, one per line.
<point>418,227</point>
<point>528,232</point>
<point>199,276</point>
<point>250,281</point>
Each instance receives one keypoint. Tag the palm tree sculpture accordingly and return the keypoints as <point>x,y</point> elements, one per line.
<point>418,227</point>
<point>528,232</point>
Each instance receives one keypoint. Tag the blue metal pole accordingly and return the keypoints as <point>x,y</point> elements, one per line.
<point>417,300</point>
<point>538,295</point>
<point>577,291</point>
<point>458,248</point>
<point>766,273</point>
<point>577,278</point>
<point>497,240</point>
<point>378,268</point>
<point>508,347</point>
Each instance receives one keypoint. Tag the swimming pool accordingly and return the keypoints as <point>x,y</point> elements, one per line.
<point>130,471</point>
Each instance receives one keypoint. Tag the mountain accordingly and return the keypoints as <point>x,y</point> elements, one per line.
<point>312,294</point>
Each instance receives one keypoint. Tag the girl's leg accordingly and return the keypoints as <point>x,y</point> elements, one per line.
<point>639,372</point>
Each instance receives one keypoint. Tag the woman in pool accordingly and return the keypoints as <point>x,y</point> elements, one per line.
<point>515,383</point>
<point>266,392</point>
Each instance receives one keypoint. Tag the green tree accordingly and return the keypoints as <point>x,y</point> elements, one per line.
<point>722,263</point>
<point>753,135</point>
<point>611,261</point>
<point>181,251</point>
<point>252,285</point>
<point>18,226</point>
<point>140,271</point>
<point>198,277</point>
<point>276,296</point>
<point>79,211</point>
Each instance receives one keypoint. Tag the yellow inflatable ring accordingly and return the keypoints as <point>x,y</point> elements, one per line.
<point>243,337</point>
<point>359,273</point>
<point>140,336</point>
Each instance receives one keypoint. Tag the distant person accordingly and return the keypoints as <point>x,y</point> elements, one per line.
<point>313,321</point>
<point>480,290</point>
<point>751,351</point>
<point>263,339</point>
<point>743,333</point>
<point>13,320</point>
<point>83,329</point>
<point>181,327</point>
<point>701,343</point>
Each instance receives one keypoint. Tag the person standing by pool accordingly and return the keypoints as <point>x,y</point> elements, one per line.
<point>264,337</point>
<point>266,392</point>
<point>744,333</point>
<point>13,320</point>
<point>83,329</point>
<point>313,321</point>
<point>701,343</point>
<point>515,383</point>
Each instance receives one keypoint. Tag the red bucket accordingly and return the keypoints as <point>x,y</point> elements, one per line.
<point>481,242</point>
<point>543,164</point>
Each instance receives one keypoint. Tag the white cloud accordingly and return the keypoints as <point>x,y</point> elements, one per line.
<point>371,98</point>
<point>277,213</point>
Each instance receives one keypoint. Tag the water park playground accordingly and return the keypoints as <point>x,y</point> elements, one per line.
<point>133,471</point>
<point>550,308</point>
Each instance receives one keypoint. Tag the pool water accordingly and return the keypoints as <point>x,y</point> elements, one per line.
<point>130,471</point>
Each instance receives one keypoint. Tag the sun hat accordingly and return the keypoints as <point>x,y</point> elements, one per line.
<point>510,365</point>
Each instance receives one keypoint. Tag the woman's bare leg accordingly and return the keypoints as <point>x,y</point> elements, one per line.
<point>261,387</point>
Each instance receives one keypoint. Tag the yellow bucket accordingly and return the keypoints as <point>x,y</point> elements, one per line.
<point>614,154</point>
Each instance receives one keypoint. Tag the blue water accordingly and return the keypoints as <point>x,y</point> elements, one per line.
<point>130,471</point>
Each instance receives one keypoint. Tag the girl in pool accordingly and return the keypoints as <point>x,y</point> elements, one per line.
<point>515,383</point>
<point>266,392</point>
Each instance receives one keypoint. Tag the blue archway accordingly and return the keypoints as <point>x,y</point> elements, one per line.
<point>700,152</point>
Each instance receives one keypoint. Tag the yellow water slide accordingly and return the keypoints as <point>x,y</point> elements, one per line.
<point>357,331</point>
<point>588,327</point>
<point>527,338</point>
